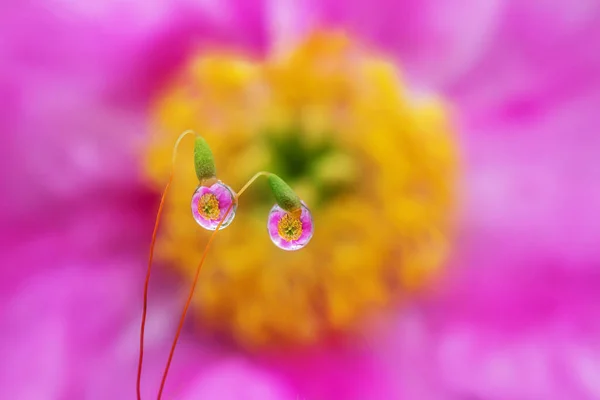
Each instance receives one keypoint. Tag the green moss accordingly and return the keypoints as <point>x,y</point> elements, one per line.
<point>284,195</point>
<point>204,161</point>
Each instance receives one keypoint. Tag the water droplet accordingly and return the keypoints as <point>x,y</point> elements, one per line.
<point>288,231</point>
<point>210,203</point>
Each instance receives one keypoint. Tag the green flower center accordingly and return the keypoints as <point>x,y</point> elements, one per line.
<point>322,166</point>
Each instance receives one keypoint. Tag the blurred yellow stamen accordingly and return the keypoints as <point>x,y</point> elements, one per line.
<point>378,170</point>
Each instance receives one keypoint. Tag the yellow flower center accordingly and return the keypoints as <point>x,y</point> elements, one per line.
<point>208,206</point>
<point>289,227</point>
<point>376,167</point>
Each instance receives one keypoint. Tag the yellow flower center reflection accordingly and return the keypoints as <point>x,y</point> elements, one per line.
<point>289,227</point>
<point>208,206</point>
<point>377,169</point>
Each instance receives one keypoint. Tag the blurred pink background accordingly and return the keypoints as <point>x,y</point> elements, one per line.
<point>513,313</point>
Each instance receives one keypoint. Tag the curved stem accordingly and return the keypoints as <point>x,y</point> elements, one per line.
<point>250,182</point>
<point>151,256</point>
<point>195,281</point>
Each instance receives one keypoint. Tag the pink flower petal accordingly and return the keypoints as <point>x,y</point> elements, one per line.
<point>435,40</point>
<point>236,379</point>
<point>307,223</point>
<point>221,193</point>
<point>273,223</point>
<point>74,97</point>
<point>284,244</point>
<point>306,233</point>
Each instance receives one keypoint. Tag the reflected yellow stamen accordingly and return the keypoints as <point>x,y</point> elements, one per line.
<point>208,206</point>
<point>289,227</point>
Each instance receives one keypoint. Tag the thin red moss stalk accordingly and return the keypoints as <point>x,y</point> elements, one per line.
<point>195,281</point>
<point>150,258</point>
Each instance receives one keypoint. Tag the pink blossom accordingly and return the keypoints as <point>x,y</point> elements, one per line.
<point>288,241</point>
<point>216,199</point>
<point>515,319</point>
